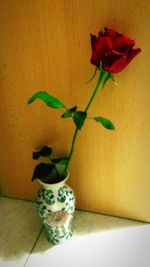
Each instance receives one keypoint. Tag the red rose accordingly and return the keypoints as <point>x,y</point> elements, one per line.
<point>113,49</point>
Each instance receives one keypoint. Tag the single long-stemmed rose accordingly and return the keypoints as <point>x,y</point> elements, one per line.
<point>111,53</point>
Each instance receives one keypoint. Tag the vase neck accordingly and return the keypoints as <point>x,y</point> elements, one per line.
<point>55,185</point>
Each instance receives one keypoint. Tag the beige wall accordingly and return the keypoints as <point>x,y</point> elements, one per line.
<point>45,45</point>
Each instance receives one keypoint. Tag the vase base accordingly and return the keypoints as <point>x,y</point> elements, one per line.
<point>58,240</point>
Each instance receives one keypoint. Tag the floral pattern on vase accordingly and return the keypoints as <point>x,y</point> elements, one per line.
<point>56,205</point>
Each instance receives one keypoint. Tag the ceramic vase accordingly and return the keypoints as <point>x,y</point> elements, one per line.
<point>56,205</point>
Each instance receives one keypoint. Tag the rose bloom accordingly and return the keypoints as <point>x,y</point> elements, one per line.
<point>113,49</point>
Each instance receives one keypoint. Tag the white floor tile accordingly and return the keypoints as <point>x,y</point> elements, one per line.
<point>98,241</point>
<point>19,228</point>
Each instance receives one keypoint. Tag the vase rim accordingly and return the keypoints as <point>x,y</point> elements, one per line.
<point>54,184</point>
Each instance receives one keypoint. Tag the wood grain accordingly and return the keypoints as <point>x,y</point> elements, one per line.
<point>45,45</point>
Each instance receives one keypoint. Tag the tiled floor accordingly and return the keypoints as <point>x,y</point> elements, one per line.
<point>98,240</point>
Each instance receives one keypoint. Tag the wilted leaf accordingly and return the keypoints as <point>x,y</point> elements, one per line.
<point>46,172</point>
<point>44,152</point>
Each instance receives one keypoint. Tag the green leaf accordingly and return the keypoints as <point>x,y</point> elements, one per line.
<point>47,99</point>
<point>69,112</point>
<point>44,152</point>
<point>105,122</point>
<point>61,161</point>
<point>79,118</point>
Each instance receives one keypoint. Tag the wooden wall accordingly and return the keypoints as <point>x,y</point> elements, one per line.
<point>45,45</point>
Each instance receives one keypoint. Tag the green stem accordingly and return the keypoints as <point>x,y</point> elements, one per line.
<point>101,81</point>
<point>71,151</point>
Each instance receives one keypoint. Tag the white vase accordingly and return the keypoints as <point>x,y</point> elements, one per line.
<point>56,205</point>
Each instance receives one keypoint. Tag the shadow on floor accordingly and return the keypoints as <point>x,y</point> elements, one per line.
<point>86,224</point>
<point>21,226</point>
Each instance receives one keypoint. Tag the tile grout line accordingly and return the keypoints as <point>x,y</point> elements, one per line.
<point>33,246</point>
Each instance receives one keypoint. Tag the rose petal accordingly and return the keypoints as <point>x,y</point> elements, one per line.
<point>118,39</point>
<point>93,41</point>
<point>101,45</point>
<point>132,53</point>
<point>124,49</point>
<point>110,33</point>
<point>114,62</point>
<point>122,40</point>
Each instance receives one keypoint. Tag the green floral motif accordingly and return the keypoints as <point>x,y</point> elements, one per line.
<point>41,209</point>
<point>70,206</point>
<point>49,197</point>
<point>62,194</point>
<point>57,235</point>
<point>41,193</point>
